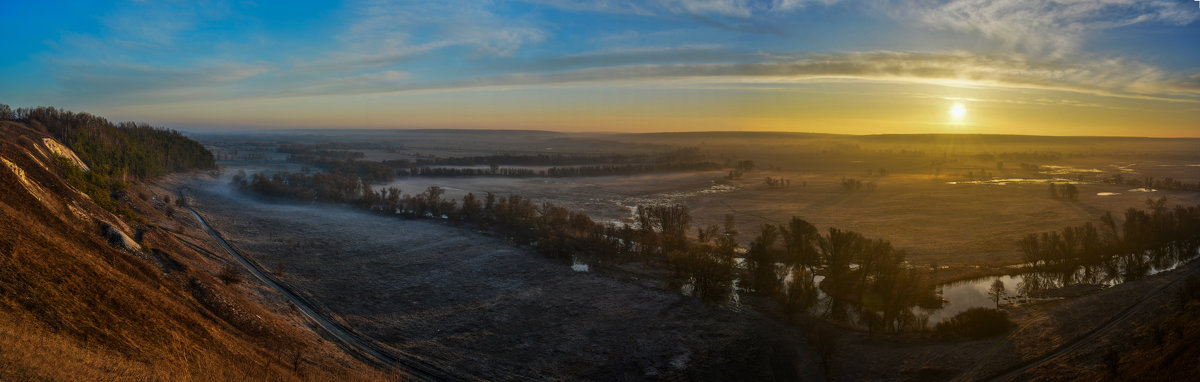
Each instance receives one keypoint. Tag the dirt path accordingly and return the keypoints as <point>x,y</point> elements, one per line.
<point>1091,336</point>
<point>416,368</point>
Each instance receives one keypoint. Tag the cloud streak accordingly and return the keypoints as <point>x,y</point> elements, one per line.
<point>643,67</point>
<point>121,82</point>
<point>172,54</point>
<point>1045,27</point>
<point>390,32</point>
<point>716,8</point>
<point>1112,78</point>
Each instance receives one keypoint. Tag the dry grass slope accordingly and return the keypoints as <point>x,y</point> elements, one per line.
<point>75,307</point>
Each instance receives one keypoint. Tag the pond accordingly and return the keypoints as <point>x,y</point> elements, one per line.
<point>1028,287</point>
<point>1025,286</point>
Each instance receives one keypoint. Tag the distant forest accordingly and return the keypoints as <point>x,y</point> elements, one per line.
<point>113,152</point>
<point>660,238</point>
<point>868,280</point>
<point>121,149</point>
<point>563,172</point>
<point>335,161</point>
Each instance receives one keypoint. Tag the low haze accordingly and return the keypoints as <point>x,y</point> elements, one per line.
<point>614,190</point>
<point>1120,68</point>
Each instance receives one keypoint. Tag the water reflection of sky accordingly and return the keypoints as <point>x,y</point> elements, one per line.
<point>971,294</point>
<point>962,295</point>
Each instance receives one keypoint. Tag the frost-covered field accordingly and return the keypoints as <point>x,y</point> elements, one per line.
<point>487,309</point>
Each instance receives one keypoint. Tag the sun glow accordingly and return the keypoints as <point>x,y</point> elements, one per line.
<point>958,112</point>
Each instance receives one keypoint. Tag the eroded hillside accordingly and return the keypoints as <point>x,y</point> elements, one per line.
<point>88,295</point>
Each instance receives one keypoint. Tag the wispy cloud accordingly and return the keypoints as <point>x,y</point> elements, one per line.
<point>1113,77</point>
<point>665,68</point>
<point>367,83</point>
<point>151,53</point>
<point>385,33</point>
<point>1048,27</point>
<point>148,51</point>
<point>638,55</point>
<point>744,16</point>
<point>124,82</point>
<point>730,8</point>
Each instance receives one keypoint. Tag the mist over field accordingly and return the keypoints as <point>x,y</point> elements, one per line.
<point>948,230</point>
<point>662,190</point>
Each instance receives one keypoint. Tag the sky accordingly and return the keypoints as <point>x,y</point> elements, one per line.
<point>1046,67</point>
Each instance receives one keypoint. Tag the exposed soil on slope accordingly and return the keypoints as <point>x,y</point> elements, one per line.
<point>75,305</point>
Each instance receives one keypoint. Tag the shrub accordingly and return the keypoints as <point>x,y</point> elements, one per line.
<point>977,323</point>
<point>230,275</point>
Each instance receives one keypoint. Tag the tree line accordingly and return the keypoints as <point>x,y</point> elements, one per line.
<point>120,149</point>
<point>346,162</point>
<point>561,172</point>
<point>521,160</point>
<point>1093,253</point>
<point>112,152</point>
<point>554,231</point>
<point>867,277</point>
<point>855,185</point>
<point>777,183</point>
<point>1066,191</point>
<point>350,162</point>
<point>740,168</point>
<point>338,149</point>
<point>1168,183</point>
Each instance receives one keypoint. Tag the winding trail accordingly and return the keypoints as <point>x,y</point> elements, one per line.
<point>418,369</point>
<point>1091,336</point>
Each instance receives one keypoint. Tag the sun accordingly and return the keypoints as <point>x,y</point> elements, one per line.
<point>958,111</point>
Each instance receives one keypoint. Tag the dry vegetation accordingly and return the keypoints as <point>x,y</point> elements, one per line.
<point>73,306</point>
<point>76,305</point>
<point>942,198</point>
<point>912,204</point>
<point>485,309</point>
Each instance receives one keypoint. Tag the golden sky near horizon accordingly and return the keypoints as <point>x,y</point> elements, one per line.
<point>845,107</point>
<point>1052,67</point>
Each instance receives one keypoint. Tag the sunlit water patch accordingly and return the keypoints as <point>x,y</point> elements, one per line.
<point>1067,170</point>
<point>1007,181</point>
<point>1028,287</point>
<point>630,204</point>
<point>964,295</point>
<point>1126,168</point>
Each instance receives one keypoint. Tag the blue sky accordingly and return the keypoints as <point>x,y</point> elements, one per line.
<point>659,65</point>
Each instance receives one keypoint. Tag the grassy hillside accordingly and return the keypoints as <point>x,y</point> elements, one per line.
<point>107,155</point>
<point>78,302</point>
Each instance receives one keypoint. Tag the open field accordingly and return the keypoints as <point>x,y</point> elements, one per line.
<point>947,200</point>
<point>683,190</point>
<point>936,222</point>
<point>476,304</point>
<point>485,309</point>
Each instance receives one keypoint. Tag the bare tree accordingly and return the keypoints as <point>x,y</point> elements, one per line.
<point>997,292</point>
